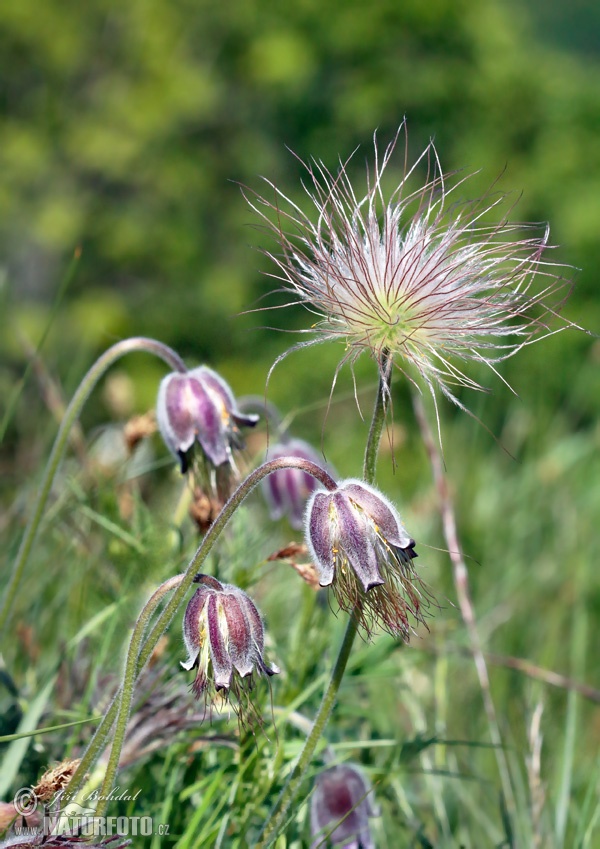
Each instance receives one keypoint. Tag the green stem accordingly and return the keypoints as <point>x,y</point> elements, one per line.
<point>127,689</point>
<point>95,747</point>
<point>290,790</point>
<point>185,581</point>
<point>378,419</point>
<point>58,449</point>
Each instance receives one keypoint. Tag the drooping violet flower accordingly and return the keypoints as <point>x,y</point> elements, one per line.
<point>287,490</point>
<point>198,406</point>
<point>224,638</point>
<point>341,806</point>
<point>362,550</point>
<point>409,275</point>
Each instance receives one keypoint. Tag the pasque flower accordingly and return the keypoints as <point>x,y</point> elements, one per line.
<point>287,490</point>
<point>408,274</point>
<point>362,550</point>
<point>198,406</point>
<point>224,638</point>
<point>341,806</point>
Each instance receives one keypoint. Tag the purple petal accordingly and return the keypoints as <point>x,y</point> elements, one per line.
<point>210,425</point>
<point>381,511</point>
<point>215,384</point>
<point>287,490</point>
<point>241,648</point>
<point>187,411</point>
<point>172,413</point>
<point>217,628</point>
<point>299,488</point>
<point>355,542</point>
<point>194,623</point>
<point>223,396</point>
<point>342,796</point>
<point>257,631</point>
<point>321,538</point>
<point>273,488</point>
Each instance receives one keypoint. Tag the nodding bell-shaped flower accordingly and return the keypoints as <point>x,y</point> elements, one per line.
<point>198,406</point>
<point>341,805</point>
<point>287,490</point>
<point>362,550</point>
<point>224,638</point>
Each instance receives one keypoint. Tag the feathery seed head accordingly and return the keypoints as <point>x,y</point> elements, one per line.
<point>410,275</point>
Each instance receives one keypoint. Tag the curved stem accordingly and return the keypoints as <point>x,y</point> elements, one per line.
<point>244,489</point>
<point>97,742</point>
<point>184,583</point>
<point>127,690</point>
<point>72,413</point>
<point>290,790</point>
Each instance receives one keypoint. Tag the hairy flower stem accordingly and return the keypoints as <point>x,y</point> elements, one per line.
<point>378,419</point>
<point>98,741</point>
<point>127,688</point>
<point>94,748</point>
<point>290,790</point>
<point>72,413</point>
<point>145,647</point>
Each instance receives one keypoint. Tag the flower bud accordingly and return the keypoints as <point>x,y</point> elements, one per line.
<point>287,490</point>
<point>340,809</point>
<point>362,550</point>
<point>224,638</point>
<point>199,406</point>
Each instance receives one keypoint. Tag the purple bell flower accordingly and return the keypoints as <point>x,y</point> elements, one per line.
<point>199,406</point>
<point>287,490</point>
<point>361,549</point>
<point>341,805</point>
<point>224,638</point>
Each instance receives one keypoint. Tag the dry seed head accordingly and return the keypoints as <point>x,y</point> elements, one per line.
<point>412,274</point>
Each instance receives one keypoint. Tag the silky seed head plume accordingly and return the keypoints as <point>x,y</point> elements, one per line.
<point>415,275</point>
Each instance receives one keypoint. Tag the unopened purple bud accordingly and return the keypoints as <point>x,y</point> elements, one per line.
<point>341,806</point>
<point>199,406</point>
<point>287,490</point>
<point>361,548</point>
<point>224,636</point>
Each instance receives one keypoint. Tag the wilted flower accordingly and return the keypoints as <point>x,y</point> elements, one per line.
<point>286,490</point>
<point>224,638</point>
<point>410,276</point>
<point>340,809</point>
<point>362,550</point>
<point>198,406</point>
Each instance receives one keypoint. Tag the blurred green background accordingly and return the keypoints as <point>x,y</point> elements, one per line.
<point>125,129</point>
